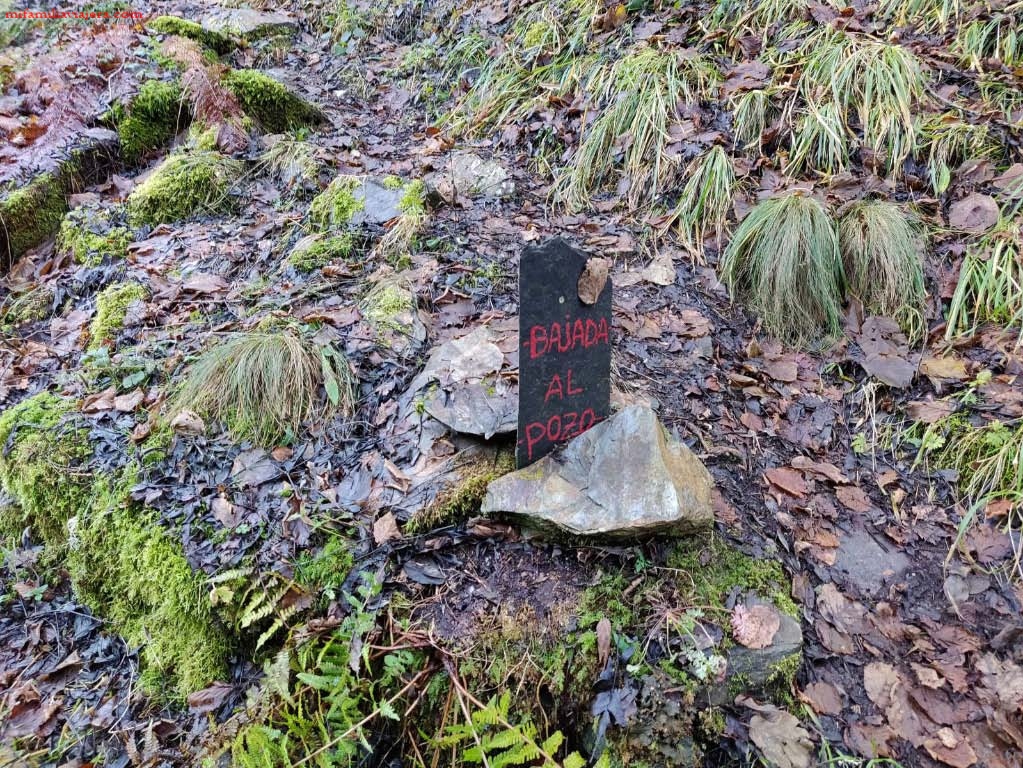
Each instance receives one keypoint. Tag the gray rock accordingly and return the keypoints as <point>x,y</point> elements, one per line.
<point>864,562</point>
<point>467,175</point>
<point>250,24</point>
<point>626,477</point>
<point>750,670</point>
<point>380,204</point>
<point>467,394</point>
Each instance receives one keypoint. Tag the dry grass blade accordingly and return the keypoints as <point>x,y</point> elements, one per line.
<point>997,38</point>
<point>784,261</point>
<point>925,15</point>
<point>638,98</point>
<point>990,287</point>
<point>882,252</point>
<point>265,384</point>
<point>706,198</point>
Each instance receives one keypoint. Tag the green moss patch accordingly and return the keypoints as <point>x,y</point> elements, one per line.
<point>130,571</point>
<point>25,307</point>
<point>715,568</point>
<point>41,467</point>
<point>173,25</point>
<point>316,252</point>
<point>152,119</point>
<point>462,499</point>
<point>30,215</point>
<point>335,206</point>
<point>89,235</point>
<point>111,309</point>
<point>275,107</point>
<point>184,185</point>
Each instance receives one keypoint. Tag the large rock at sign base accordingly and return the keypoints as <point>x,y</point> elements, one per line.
<point>624,478</point>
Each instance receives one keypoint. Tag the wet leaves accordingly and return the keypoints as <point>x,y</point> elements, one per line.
<point>755,626</point>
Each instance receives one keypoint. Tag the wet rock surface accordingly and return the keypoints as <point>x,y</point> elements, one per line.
<point>467,175</point>
<point>624,478</point>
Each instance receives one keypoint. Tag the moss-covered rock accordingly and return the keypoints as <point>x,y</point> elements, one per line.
<point>184,185</point>
<point>29,215</point>
<point>130,571</point>
<point>174,25</point>
<point>461,499</point>
<point>25,307</point>
<point>40,466</point>
<point>152,119</point>
<point>91,237</point>
<point>111,308</point>
<point>269,102</point>
<point>335,206</point>
<point>317,251</point>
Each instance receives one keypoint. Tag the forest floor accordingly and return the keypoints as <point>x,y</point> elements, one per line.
<point>907,592</point>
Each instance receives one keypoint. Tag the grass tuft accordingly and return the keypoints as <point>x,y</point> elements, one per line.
<point>264,384</point>
<point>784,262</point>
<point>749,118</point>
<point>924,15</point>
<point>820,142</point>
<point>882,253</point>
<point>705,199</point>
<point>996,39</point>
<point>638,98</point>
<point>948,141</point>
<point>990,287</point>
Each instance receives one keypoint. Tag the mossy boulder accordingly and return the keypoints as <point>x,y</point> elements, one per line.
<point>317,251</point>
<point>463,489</point>
<point>151,120</point>
<point>42,452</point>
<point>29,215</point>
<point>174,25</point>
<point>112,306</point>
<point>184,185</point>
<point>133,573</point>
<point>91,236</point>
<point>27,306</point>
<point>269,102</point>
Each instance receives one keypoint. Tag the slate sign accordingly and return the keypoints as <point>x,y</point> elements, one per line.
<point>564,351</point>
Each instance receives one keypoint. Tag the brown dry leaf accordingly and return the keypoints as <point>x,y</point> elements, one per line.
<point>188,423</point>
<point>854,498</point>
<point>101,401</point>
<point>976,213</point>
<point>202,282</point>
<point>822,468</point>
<point>226,513</point>
<point>846,615</point>
<point>823,697</point>
<point>593,279</point>
<point>129,402</point>
<point>603,641</point>
<point>947,368</point>
<point>950,748</point>
<point>788,480</point>
<point>755,626</point>
<point>929,411</point>
<point>782,741</point>
<point>785,371</point>
<point>209,698</point>
<point>385,529</point>
<point>927,676</point>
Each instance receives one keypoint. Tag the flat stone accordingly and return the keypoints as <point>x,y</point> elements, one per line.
<point>865,563</point>
<point>467,394</point>
<point>467,175</point>
<point>754,667</point>
<point>250,23</point>
<point>622,479</point>
<point>379,204</point>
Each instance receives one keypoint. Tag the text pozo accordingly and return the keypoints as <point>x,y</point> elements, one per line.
<point>559,339</point>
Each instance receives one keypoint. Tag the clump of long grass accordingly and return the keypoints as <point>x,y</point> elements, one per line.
<point>990,286</point>
<point>266,383</point>
<point>948,141</point>
<point>637,99</point>
<point>1001,97</point>
<point>820,141</point>
<point>924,15</point>
<point>750,112</point>
<point>291,161</point>
<point>877,84</point>
<point>882,254</point>
<point>705,199</point>
<point>784,261</point>
<point>997,37</point>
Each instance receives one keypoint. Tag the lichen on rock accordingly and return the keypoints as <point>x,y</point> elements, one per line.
<point>111,309</point>
<point>184,185</point>
<point>91,237</point>
<point>269,102</point>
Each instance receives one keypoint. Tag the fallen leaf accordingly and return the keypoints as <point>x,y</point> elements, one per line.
<point>782,741</point>
<point>202,282</point>
<point>823,697</point>
<point>593,279</point>
<point>822,468</point>
<point>948,368</point>
<point>603,641</point>
<point>950,748</point>
<point>226,513</point>
<point>785,371</point>
<point>976,213</point>
<point>101,401</point>
<point>129,402</point>
<point>385,529</point>
<point>755,626</point>
<point>209,698</point>
<point>188,423</point>
<point>788,480</point>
